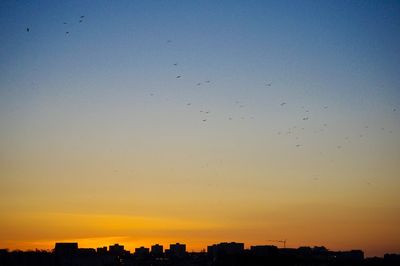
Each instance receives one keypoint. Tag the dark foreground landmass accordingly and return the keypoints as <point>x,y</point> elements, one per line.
<point>223,254</point>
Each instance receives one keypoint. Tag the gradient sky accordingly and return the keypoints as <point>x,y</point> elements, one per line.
<point>101,143</point>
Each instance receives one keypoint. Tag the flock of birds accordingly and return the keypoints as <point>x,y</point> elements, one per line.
<point>306,115</point>
<point>80,20</point>
<point>288,131</point>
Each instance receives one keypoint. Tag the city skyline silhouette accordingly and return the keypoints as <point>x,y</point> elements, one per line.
<point>225,253</point>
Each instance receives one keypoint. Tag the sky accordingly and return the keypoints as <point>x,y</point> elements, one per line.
<point>143,122</point>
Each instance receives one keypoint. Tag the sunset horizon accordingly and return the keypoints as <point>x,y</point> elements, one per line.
<point>131,246</point>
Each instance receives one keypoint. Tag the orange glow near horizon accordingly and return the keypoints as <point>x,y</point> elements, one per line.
<point>131,231</point>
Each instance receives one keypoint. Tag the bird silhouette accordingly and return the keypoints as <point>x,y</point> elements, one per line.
<point>178,77</point>
<point>282,104</point>
<point>27,29</point>
<point>268,84</point>
<point>82,16</point>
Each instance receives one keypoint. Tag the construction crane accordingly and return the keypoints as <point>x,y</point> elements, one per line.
<point>279,241</point>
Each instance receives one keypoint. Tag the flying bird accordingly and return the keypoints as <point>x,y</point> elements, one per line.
<point>268,84</point>
<point>82,16</point>
<point>67,32</point>
<point>282,104</point>
<point>178,77</point>
<point>80,21</point>
<point>27,29</point>
<point>175,64</point>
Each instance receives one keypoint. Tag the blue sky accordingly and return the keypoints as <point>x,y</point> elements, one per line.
<point>330,50</point>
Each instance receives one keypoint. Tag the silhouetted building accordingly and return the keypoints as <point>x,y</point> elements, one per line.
<point>177,250</point>
<point>225,248</point>
<point>142,252</point>
<point>86,251</point>
<point>349,256</point>
<point>3,254</point>
<point>3,251</point>
<point>264,250</point>
<point>157,250</point>
<point>392,259</point>
<point>288,252</point>
<point>102,250</point>
<point>320,250</point>
<point>117,250</point>
<point>305,251</point>
<point>66,249</point>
